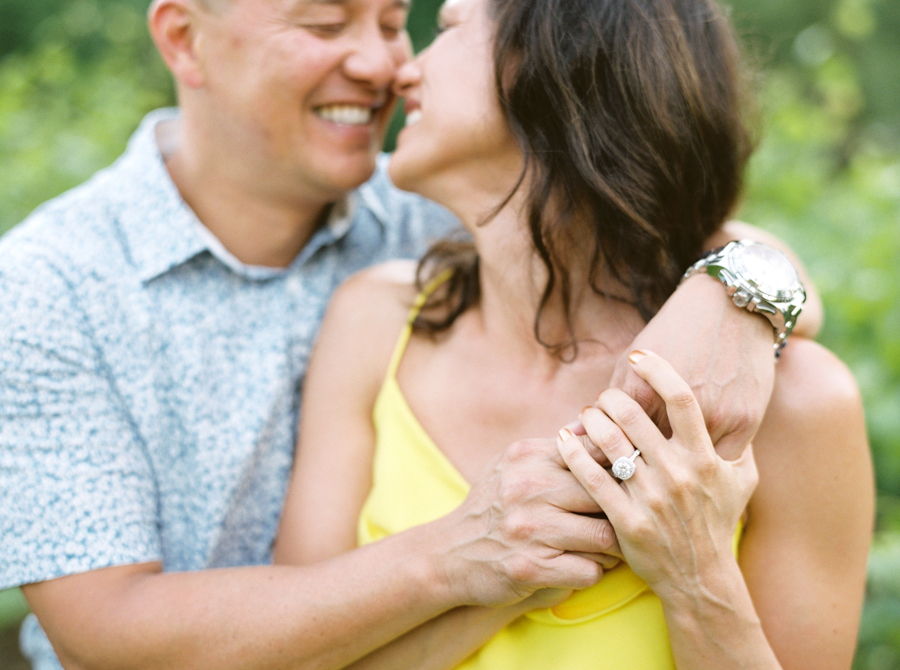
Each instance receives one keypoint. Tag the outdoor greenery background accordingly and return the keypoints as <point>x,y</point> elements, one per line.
<point>76,76</point>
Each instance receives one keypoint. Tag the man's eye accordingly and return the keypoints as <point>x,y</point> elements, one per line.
<point>326,29</point>
<point>391,32</point>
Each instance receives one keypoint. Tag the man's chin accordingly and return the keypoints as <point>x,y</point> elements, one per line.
<point>356,176</point>
<point>343,180</point>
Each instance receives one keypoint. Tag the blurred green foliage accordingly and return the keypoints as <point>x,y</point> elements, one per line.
<point>76,76</point>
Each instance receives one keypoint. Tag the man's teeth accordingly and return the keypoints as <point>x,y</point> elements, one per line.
<point>413,117</point>
<point>347,115</point>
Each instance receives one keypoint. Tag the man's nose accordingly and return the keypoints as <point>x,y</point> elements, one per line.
<point>376,58</point>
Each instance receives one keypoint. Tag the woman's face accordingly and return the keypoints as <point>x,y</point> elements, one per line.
<point>456,143</point>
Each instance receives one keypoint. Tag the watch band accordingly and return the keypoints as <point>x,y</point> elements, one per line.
<point>759,279</point>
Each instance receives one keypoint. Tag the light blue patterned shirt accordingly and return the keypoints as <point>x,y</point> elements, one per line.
<point>149,382</point>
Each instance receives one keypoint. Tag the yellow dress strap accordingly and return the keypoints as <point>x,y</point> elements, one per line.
<point>403,340</point>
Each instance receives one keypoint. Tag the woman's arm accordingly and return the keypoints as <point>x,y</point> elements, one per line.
<point>332,471</point>
<point>803,555</point>
<point>794,600</point>
<point>810,520</point>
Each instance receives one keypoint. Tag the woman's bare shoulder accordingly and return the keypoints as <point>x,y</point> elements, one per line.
<point>383,282</point>
<point>365,317</point>
<point>377,298</point>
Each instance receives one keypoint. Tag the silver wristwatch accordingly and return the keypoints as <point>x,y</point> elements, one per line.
<point>759,279</point>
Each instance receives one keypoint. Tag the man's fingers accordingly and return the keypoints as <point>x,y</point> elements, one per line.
<point>731,445</point>
<point>572,571</point>
<point>596,451</point>
<point>747,474</point>
<point>626,379</point>
<point>587,535</point>
<point>605,561</point>
<point>569,495</point>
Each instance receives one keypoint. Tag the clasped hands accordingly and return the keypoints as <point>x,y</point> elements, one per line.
<point>548,517</point>
<point>675,517</point>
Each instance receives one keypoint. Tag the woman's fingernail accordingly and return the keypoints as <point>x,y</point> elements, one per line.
<point>565,434</point>
<point>636,356</point>
<point>586,408</point>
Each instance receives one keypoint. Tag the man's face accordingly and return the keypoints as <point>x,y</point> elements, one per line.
<point>299,90</point>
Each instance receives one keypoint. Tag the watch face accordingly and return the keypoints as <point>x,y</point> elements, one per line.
<point>768,270</point>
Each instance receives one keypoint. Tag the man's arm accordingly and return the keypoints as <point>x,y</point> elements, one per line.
<point>724,353</point>
<point>78,495</point>
<point>810,322</point>
<point>328,614</point>
<point>250,617</point>
<point>496,549</point>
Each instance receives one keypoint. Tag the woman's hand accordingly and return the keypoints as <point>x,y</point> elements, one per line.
<point>675,517</point>
<point>731,373</point>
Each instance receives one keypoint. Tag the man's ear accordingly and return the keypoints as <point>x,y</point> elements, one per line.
<point>173,26</point>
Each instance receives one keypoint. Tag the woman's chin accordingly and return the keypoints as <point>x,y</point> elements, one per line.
<point>400,176</point>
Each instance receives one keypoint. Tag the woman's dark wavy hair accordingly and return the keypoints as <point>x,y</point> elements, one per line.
<point>631,116</point>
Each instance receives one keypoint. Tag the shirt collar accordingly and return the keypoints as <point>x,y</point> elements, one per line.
<point>158,227</point>
<point>337,225</point>
<point>162,232</point>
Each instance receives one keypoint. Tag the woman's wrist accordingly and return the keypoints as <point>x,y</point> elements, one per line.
<point>714,623</point>
<point>735,641</point>
<point>716,589</point>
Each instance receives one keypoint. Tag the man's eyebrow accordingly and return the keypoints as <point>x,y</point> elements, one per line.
<point>402,4</point>
<point>298,4</point>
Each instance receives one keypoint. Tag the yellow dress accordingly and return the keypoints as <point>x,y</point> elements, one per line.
<point>616,624</point>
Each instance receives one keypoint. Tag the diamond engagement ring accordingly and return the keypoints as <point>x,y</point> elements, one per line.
<point>624,467</point>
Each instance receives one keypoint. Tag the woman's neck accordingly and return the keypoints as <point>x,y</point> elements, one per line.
<point>513,280</point>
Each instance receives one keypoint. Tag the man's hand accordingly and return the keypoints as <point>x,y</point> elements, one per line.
<point>724,353</point>
<point>516,531</point>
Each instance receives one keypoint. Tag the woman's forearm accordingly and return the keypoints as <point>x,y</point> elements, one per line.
<point>715,625</point>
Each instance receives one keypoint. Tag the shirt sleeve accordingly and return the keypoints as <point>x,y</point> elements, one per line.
<point>77,492</point>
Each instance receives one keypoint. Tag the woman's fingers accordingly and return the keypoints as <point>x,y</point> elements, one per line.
<point>682,407</point>
<point>618,413</point>
<point>603,435</point>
